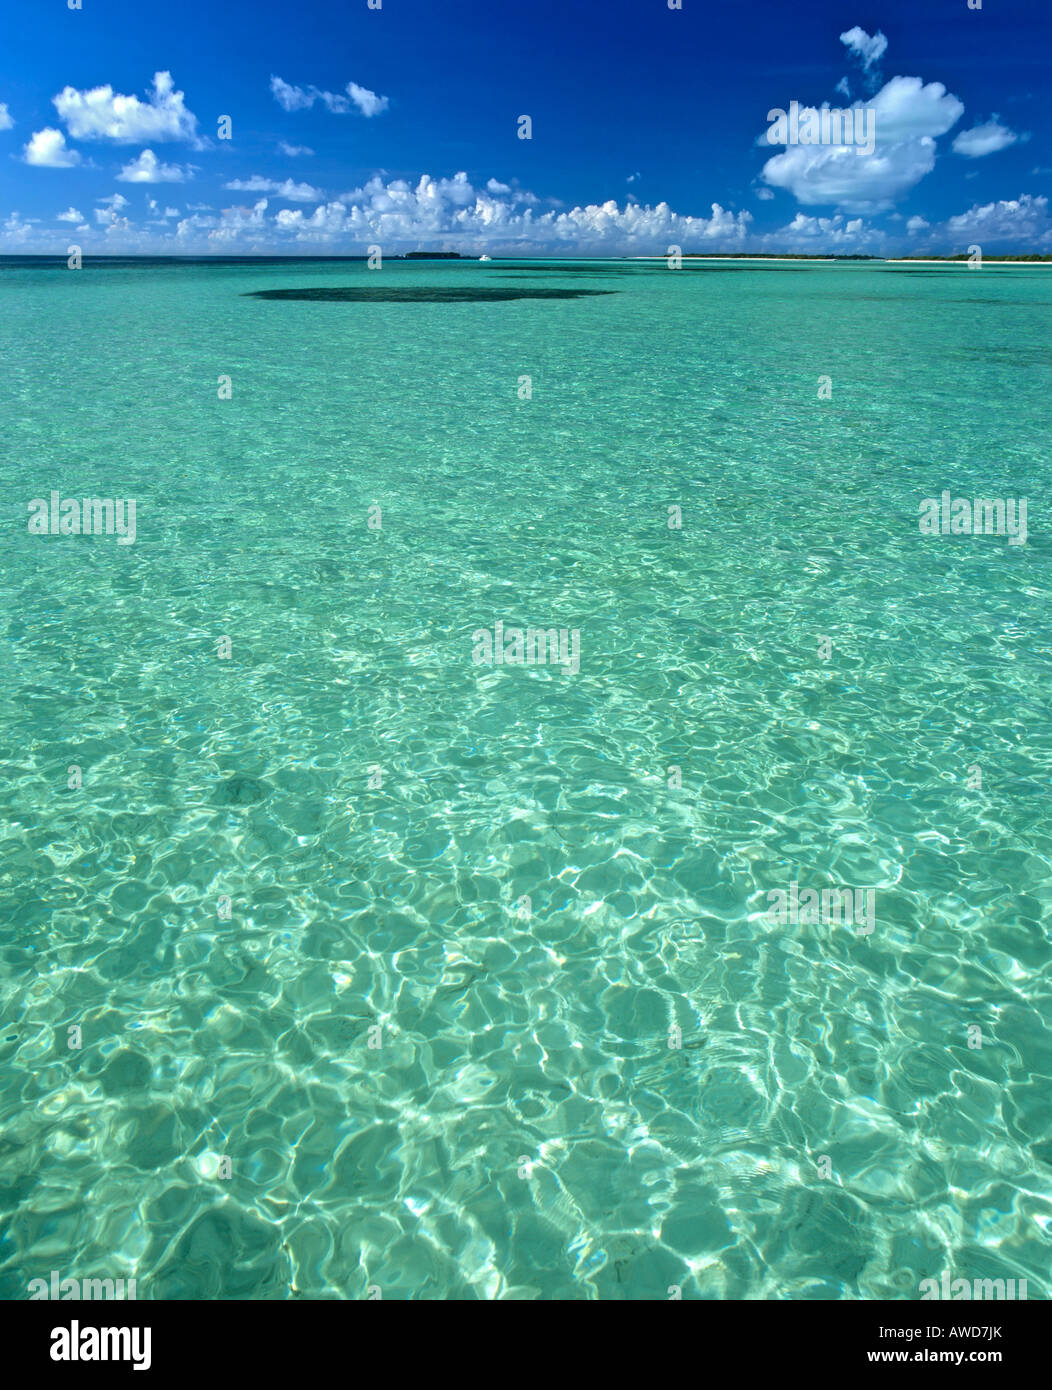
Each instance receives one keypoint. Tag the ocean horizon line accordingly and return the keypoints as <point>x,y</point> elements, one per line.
<point>263,258</point>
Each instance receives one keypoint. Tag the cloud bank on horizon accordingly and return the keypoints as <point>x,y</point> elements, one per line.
<point>802,196</point>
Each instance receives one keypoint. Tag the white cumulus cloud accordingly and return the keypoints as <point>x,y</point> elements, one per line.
<point>6,119</point>
<point>149,169</point>
<point>985,139</point>
<point>402,216</point>
<point>239,224</point>
<point>907,117</point>
<point>290,191</point>
<point>1024,220</point>
<point>292,98</point>
<point>368,103</point>
<point>103,114</point>
<point>869,49</point>
<point>47,149</point>
<point>823,235</point>
<point>70,215</point>
<point>108,214</point>
<point>17,230</point>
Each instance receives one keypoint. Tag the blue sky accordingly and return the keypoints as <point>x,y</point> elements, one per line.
<point>399,126</point>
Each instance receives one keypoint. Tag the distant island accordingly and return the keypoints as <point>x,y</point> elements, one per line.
<point>432,256</point>
<point>1019,258</point>
<point>772,256</point>
<point>963,256</point>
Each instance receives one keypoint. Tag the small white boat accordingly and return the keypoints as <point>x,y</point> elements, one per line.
<point>485,258</point>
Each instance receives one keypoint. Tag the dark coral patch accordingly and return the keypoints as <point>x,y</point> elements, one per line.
<point>242,791</point>
<point>406,294</point>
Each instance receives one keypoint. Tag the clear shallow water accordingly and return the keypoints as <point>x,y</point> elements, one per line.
<point>504,1037</point>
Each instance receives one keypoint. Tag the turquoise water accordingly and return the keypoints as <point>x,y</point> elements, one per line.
<point>376,806</point>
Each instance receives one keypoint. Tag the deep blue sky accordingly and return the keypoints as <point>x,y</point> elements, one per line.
<point>630,102</point>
